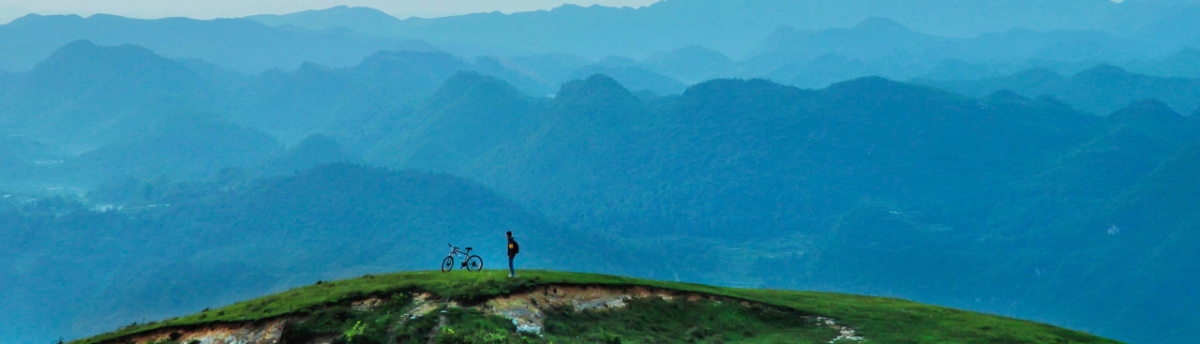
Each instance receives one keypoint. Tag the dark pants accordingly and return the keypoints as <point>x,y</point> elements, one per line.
<point>510,266</point>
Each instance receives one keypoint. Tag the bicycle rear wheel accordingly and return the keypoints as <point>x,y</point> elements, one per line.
<point>447,264</point>
<point>474,263</point>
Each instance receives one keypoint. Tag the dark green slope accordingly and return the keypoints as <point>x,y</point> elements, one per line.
<point>1150,235</point>
<point>778,317</point>
<point>1129,145</point>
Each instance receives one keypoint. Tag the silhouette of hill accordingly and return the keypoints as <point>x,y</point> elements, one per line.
<point>239,44</point>
<point>361,19</point>
<point>79,94</point>
<point>1100,90</point>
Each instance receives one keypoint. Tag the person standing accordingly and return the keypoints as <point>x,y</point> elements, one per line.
<point>513,249</point>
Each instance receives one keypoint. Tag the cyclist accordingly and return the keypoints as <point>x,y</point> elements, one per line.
<point>513,249</point>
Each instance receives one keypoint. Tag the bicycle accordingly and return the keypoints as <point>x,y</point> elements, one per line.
<point>471,263</point>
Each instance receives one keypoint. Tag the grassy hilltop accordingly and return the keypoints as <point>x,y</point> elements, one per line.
<point>766,316</point>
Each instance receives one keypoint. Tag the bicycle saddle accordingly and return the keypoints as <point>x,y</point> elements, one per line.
<point>468,249</point>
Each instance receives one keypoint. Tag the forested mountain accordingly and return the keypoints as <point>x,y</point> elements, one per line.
<point>918,176</point>
<point>1100,90</point>
<point>1153,225</point>
<point>467,116</point>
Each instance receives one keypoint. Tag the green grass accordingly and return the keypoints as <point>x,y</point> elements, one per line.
<point>880,320</point>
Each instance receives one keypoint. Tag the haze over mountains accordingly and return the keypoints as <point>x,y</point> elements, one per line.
<point>993,163</point>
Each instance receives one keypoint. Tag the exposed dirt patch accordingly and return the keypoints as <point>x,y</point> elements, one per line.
<point>266,332</point>
<point>527,309</point>
<point>367,305</point>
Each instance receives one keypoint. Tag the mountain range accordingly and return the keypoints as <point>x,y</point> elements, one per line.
<point>239,44</point>
<point>728,168</point>
<point>165,158</point>
<point>593,31</point>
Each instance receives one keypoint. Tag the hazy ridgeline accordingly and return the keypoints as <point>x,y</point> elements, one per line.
<point>153,168</point>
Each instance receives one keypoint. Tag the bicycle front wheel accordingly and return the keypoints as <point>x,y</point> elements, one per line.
<point>447,264</point>
<point>474,263</point>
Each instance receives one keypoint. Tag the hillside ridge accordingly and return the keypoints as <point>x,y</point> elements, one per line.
<point>546,305</point>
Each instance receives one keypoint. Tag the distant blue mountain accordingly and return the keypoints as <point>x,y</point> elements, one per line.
<point>361,19</point>
<point>883,41</point>
<point>725,26</point>
<point>240,44</point>
<point>83,94</point>
<point>1100,90</point>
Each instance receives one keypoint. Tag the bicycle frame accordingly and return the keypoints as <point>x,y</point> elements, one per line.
<point>457,253</point>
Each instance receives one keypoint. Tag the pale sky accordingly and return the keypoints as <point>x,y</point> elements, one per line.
<point>208,9</point>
